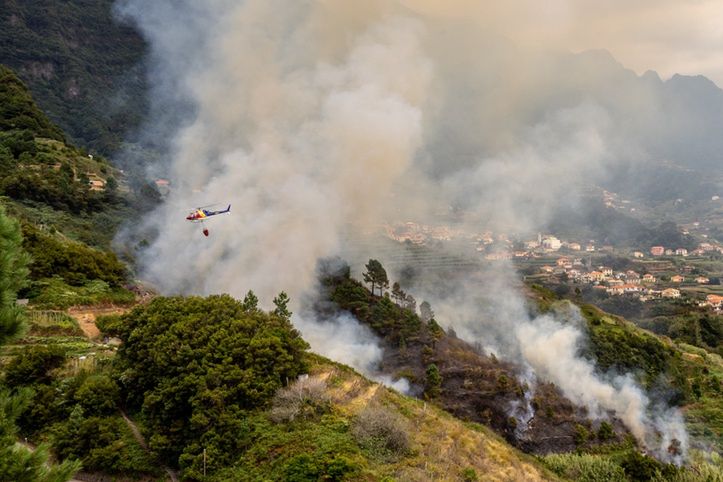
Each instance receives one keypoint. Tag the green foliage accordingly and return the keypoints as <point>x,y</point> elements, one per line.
<point>251,302</point>
<point>433,383</point>
<point>318,449</point>
<point>54,293</point>
<point>698,329</point>
<point>639,467</point>
<point>18,463</point>
<point>110,325</point>
<point>74,262</point>
<point>305,468</point>
<point>281,303</point>
<point>581,434</point>
<point>13,273</point>
<point>18,111</point>
<point>381,314</point>
<point>196,365</point>
<point>33,365</point>
<point>82,65</point>
<point>376,275</point>
<point>605,432</point>
<point>49,323</point>
<point>585,468</point>
<point>102,443</point>
<point>625,350</point>
<point>469,475</point>
<point>98,395</point>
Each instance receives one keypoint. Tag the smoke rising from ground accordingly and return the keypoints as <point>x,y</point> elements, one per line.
<point>313,117</point>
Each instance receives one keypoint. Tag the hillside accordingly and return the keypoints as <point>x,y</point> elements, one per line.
<point>478,387</point>
<point>228,411</point>
<point>83,67</point>
<point>469,383</point>
<point>68,202</point>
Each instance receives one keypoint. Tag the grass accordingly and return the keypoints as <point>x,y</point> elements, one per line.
<point>441,447</point>
<point>54,293</point>
<point>49,322</point>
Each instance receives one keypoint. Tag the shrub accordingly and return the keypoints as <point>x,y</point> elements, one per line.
<point>605,432</point>
<point>33,365</point>
<point>469,475</point>
<point>434,382</point>
<point>98,395</point>
<point>381,431</point>
<point>304,468</point>
<point>305,398</point>
<point>581,434</point>
<point>585,468</point>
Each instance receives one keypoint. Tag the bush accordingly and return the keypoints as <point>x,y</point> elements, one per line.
<point>305,398</point>
<point>585,468</point>
<point>381,431</point>
<point>98,395</point>
<point>304,468</point>
<point>581,434</point>
<point>33,365</point>
<point>605,432</point>
<point>469,475</point>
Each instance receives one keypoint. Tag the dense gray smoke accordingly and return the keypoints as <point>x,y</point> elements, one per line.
<point>318,118</point>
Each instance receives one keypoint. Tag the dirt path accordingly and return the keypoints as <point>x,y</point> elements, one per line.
<point>139,438</point>
<point>86,318</point>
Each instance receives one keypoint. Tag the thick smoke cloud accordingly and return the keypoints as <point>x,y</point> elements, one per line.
<point>313,118</point>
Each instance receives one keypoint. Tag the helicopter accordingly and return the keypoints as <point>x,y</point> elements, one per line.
<point>200,214</point>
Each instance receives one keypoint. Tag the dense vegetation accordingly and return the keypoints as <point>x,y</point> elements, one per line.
<point>67,224</point>
<point>81,64</point>
<point>18,462</point>
<point>194,367</point>
<point>38,165</point>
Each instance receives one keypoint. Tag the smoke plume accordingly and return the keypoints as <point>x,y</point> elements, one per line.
<point>318,119</point>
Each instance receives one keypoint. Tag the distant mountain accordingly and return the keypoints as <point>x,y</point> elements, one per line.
<point>84,68</point>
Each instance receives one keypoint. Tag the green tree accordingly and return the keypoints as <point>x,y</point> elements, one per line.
<point>605,432</point>
<point>251,302</point>
<point>434,382</point>
<point>281,302</point>
<point>18,463</point>
<point>196,366</point>
<point>32,365</point>
<point>13,277</point>
<point>376,275</point>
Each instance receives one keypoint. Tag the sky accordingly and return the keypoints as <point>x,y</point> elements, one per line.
<point>668,36</point>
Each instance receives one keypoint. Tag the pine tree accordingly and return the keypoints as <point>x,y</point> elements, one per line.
<point>376,275</point>
<point>281,302</point>
<point>16,462</point>
<point>13,276</point>
<point>251,302</point>
<point>434,382</point>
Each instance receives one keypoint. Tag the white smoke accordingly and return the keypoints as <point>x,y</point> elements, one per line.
<point>347,341</point>
<point>313,117</point>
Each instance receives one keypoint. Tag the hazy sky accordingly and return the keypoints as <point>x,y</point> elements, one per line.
<point>668,36</point>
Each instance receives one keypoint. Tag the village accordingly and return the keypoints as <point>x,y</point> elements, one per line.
<point>653,273</point>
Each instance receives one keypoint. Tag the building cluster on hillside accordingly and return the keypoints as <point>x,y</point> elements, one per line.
<point>713,301</point>
<point>500,246</point>
<point>615,283</point>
